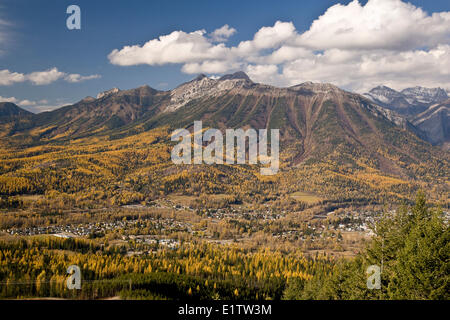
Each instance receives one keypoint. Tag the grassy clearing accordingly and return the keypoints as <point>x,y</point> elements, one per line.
<point>308,198</point>
<point>31,197</point>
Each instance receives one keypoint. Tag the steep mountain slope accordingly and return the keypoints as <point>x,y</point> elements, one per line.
<point>112,109</point>
<point>435,121</point>
<point>314,119</point>
<point>334,143</point>
<point>408,102</point>
<point>12,117</point>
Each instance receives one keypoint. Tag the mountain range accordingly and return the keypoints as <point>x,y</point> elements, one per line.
<point>426,108</point>
<point>341,140</point>
<point>233,101</point>
<point>409,101</point>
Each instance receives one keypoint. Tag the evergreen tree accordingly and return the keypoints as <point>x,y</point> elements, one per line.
<point>412,248</point>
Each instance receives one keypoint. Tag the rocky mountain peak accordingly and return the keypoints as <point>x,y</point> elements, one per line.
<point>425,95</point>
<point>202,86</point>
<point>409,101</point>
<point>188,91</point>
<point>383,93</point>
<point>316,87</point>
<point>107,93</point>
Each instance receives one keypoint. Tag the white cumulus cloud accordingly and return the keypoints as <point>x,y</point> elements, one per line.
<point>177,47</point>
<point>42,77</point>
<point>75,77</point>
<point>7,77</point>
<point>363,71</point>
<point>222,34</point>
<point>355,46</point>
<point>8,99</point>
<point>45,77</point>
<point>380,24</point>
<point>262,72</point>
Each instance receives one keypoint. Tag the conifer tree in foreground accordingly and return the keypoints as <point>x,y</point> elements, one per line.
<point>411,247</point>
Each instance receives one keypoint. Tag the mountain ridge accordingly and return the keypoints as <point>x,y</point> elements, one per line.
<point>114,108</point>
<point>409,101</point>
<point>332,142</point>
<point>435,122</point>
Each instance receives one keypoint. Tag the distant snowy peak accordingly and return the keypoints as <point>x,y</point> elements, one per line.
<point>409,101</point>
<point>425,95</point>
<point>383,94</point>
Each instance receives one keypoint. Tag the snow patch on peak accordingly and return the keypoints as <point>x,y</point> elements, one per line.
<point>409,101</point>
<point>425,95</point>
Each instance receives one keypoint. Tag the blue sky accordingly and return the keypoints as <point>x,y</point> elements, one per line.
<point>34,38</point>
